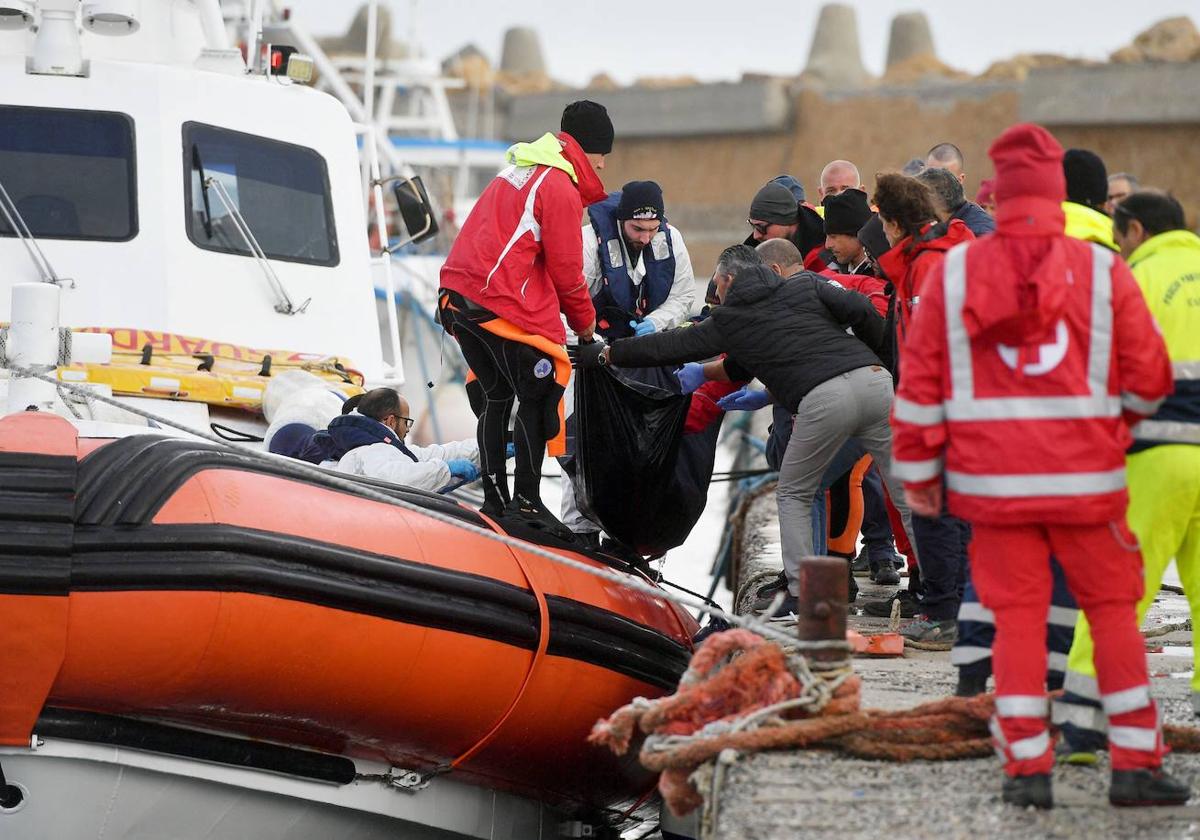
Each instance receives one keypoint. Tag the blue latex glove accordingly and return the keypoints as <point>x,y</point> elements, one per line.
<point>642,327</point>
<point>744,399</point>
<point>690,376</point>
<point>462,468</point>
<point>510,450</point>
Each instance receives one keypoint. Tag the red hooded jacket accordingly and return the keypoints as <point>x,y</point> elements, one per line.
<point>520,252</point>
<point>1029,357</point>
<point>912,260</point>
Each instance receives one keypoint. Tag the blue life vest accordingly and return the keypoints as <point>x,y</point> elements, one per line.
<point>620,298</point>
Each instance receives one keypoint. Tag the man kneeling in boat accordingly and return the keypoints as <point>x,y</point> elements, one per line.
<point>369,441</point>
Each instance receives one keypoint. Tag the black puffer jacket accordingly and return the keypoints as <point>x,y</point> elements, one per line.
<point>789,334</point>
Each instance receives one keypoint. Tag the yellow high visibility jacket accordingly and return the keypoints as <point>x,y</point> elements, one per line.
<point>1167,268</point>
<point>1088,224</point>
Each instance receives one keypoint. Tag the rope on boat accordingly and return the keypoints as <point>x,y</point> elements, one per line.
<point>302,470</point>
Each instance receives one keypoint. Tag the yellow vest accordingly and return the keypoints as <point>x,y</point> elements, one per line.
<point>1167,268</point>
<point>1088,224</point>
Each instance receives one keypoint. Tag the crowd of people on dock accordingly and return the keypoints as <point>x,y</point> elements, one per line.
<point>1002,395</point>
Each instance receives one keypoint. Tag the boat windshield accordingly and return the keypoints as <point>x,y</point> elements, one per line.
<point>280,190</point>
<point>70,174</point>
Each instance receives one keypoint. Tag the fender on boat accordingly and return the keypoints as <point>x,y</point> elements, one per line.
<point>174,581</point>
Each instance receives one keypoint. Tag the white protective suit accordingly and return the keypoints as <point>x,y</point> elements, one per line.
<point>428,472</point>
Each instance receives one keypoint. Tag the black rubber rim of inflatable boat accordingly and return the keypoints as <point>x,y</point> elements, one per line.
<point>94,728</point>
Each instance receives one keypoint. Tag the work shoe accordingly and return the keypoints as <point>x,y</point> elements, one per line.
<point>883,609</point>
<point>1146,787</point>
<point>533,514</point>
<point>926,629</point>
<point>860,566</point>
<point>970,685</point>
<point>767,592</point>
<point>885,575</point>
<point>1024,791</point>
<point>788,609</point>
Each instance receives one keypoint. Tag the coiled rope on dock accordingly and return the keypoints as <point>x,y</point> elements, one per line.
<point>744,694</point>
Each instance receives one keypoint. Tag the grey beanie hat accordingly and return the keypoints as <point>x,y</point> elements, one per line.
<point>775,203</point>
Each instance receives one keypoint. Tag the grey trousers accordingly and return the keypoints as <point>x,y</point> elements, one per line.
<point>851,405</point>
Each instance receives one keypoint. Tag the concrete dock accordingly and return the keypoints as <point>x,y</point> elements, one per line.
<point>784,795</point>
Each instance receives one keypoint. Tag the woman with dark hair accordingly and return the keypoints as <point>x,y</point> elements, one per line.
<point>908,215</point>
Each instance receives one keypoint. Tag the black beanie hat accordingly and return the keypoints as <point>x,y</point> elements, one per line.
<point>873,239</point>
<point>1087,179</point>
<point>775,204</point>
<point>589,124</point>
<point>846,212</point>
<point>640,200</point>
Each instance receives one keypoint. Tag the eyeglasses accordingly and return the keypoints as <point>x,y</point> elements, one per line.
<point>761,227</point>
<point>408,421</point>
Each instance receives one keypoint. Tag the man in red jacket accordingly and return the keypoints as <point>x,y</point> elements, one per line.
<point>515,265</point>
<point>1028,359</point>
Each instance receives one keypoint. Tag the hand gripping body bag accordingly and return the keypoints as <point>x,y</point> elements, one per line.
<point>636,473</point>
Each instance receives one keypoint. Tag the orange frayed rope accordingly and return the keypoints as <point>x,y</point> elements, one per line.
<point>746,694</point>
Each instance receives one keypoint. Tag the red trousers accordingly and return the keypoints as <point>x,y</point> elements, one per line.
<point>900,535</point>
<point>1011,570</point>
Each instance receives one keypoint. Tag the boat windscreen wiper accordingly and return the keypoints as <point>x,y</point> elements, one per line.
<point>199,167</point>
<point>12,215</point>
<point>283,304</point>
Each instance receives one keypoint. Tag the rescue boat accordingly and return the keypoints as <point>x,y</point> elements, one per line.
<point>171,595</point>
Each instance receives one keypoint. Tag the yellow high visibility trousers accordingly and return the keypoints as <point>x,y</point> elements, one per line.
<point>1164,514</point>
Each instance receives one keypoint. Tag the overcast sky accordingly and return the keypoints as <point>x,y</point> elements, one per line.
<point>700,38</point>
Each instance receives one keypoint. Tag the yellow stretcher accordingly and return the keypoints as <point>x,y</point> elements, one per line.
<point>178,367</point>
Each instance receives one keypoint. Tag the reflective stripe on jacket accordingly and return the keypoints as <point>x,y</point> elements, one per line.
<point>1037,432</point>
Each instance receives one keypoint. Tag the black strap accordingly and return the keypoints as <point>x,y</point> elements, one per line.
<point>235,435</point>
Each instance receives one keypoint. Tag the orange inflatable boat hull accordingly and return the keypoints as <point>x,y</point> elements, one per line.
<point>166,580</point>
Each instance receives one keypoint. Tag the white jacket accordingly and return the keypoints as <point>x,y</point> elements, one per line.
<point>428,472</point>
<point>677,308</point>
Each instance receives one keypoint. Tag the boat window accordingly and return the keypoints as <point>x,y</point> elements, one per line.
<point>70,173</point>
<point>280,190</point>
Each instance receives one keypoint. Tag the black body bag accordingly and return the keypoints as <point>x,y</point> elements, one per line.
<point>636,473</point>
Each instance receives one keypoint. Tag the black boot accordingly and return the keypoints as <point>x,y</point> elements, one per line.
<point>970,684</point>
<point>1024,791</point>
<point>533,514</point>
<point>1146,787</point>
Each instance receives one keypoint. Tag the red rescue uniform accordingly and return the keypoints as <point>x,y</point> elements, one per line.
<point>1030,356</point>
